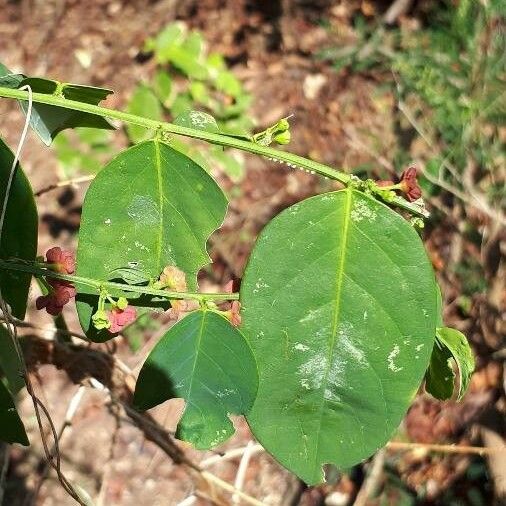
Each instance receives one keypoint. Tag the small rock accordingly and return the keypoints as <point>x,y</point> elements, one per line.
<point>312,85</point>
<point>337,499</point>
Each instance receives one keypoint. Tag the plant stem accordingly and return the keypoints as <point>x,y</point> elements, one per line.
<point>222,140</point>
<point>98,285</point>
<point>292,160</point>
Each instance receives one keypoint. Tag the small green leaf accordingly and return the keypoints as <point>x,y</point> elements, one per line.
<point>144,103</point>
<point>439,378</point>
<point>439,381</point>
<point>19,237</point>
<point>12,429</point>
<point>8,79</point>
<point>129,275</point>
<point>10,365</point>
<point>228,83</point>
<point>198,120</point>
<point>339,307</point>
<point>207,362</point>
<point>48,120</point>
<point>171,35</point>
<point>148,208</point>
<point>162,85</point>
<point>186,62</point>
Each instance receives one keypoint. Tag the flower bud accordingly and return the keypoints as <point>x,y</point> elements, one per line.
<point>283,137</point>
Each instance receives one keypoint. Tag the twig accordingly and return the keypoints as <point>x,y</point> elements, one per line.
<point>54,330</point>
<point>67,422</point>
<point>62,184</point>
<point>241,471</point>
<point>211,478</point>
<point>191,499</point>
<point>477,450</point>
<point>230,455</point>
<point>371,482</point>
<point>396,9</point>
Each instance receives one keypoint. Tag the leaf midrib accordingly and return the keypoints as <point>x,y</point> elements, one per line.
<point>337,310</point>
<point>158,165</point>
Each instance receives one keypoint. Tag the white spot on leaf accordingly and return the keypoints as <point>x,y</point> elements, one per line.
<point>361,211</point>
<point>391,356</point>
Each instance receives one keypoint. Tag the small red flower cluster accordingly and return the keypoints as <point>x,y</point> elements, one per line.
<point>120,318</point>
<point>60,291</point>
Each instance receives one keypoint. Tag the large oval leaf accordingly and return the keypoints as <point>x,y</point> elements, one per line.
<point>206,361</point>
<point>340,310</point>
<point>149,207</point>
<point>19,236</point>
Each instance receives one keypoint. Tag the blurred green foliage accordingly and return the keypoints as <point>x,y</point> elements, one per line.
<point>452,73</point>
<point>186,78</point>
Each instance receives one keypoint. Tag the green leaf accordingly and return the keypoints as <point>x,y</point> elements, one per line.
<point>8,79</point>
<point>186,62</point>
<point>339,307</point>
<point>207,362</point>
<point>171,35</point>
<point>162,85</point>
<point>129,275</point>
<point>144,103</point>
<point>10,365</point>
<point>148,208</point>
<point>19,237</point>
<point>48,120</point>
<point>439,381</point>
<point>198,120</point>
<point>12,429</point>
<point>228,83</point>
<point>83,149</point>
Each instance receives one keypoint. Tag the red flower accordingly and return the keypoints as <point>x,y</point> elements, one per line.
<point>63,261</point>
<point>61,291</point>
<point>121,318</point>
<point>409,184</point>
<point>53,302</point>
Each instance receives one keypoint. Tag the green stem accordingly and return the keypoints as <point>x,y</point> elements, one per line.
<point>98,285</point>
<point>222,140</point>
